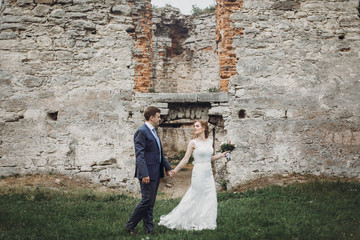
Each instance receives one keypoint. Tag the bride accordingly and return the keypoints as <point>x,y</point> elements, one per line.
<point>197,209</point>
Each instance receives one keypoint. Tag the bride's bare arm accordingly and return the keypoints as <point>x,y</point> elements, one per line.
<point>189,150</point>
<point>218,156</point>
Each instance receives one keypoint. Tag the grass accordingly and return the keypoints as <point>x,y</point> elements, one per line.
<point>313,210</point>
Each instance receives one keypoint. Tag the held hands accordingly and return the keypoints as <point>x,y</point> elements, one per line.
<point>146,180</point>
<point>171,173</point>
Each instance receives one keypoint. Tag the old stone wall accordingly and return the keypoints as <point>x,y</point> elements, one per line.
<point>67,79</point>
<point>75,76</point>
<point>295,101</point>
<point>184,47</point>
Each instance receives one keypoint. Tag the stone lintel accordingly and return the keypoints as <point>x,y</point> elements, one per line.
<point>184,97</point>
<point>213,97</point>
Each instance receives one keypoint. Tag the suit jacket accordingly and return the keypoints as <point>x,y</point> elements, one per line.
<point>148,154</point>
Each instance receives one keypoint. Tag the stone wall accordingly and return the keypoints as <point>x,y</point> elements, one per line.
<point>185,58</point>
<point>295,101</point>
<point>67,79</point>
<point>72,73</point>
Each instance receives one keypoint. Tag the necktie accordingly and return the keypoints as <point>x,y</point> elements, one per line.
<point>158,141</point>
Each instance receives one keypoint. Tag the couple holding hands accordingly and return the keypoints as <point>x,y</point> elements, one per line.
<point>198,207</point>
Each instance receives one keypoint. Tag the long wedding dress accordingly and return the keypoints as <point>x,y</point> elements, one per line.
<point>197,209</point>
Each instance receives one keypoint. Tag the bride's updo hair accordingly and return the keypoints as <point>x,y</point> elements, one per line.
<point>205,125</point>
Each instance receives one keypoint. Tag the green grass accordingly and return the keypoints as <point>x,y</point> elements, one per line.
<point>313,210</point>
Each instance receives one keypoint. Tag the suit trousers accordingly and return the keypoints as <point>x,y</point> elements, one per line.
<point>144,210</point>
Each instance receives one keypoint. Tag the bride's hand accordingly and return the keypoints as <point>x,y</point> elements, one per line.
<point>224,153</point>
<point>171,173</point>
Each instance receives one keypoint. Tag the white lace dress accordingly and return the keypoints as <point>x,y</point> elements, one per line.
<point>198,207</point>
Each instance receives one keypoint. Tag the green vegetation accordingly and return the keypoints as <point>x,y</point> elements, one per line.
<point>313,210</point>
<point>196,11</point>
<point>214,89</point>
<point>152,90</point>
<point>174,160</point>
<point>223,184</point>
<point>228,146</point>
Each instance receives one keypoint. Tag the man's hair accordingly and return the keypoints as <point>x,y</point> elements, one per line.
<point>150,111</point>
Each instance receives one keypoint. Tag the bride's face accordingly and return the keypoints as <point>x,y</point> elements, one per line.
<point>198,129</point>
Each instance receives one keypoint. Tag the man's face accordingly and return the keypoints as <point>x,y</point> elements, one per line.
<point>155,120</point>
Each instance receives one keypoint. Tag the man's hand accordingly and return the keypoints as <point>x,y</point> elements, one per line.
<point>146,180</point>
<point>171,173</point>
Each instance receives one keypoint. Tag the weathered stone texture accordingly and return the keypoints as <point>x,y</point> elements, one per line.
<point>298,84</point>
<point>67,77</point>
<point>185,58</point>
<point>75,77</point>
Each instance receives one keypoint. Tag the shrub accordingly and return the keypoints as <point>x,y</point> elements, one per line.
<point>196,11</point>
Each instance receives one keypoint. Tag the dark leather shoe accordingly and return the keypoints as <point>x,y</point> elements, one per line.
<point>149,231</point>
<point>131,231</point>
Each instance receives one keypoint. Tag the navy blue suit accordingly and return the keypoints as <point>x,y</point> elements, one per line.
<point>150,162</point>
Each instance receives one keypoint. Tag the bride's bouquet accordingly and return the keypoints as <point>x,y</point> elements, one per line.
<point>227,146</point>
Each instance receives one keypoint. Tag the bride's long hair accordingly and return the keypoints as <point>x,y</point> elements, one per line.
<point>205,125</point>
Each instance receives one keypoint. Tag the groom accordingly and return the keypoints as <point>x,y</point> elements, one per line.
<point>150,164</point>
